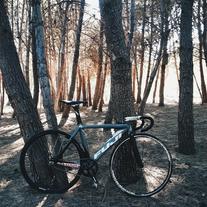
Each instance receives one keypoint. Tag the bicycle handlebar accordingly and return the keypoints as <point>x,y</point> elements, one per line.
<point>143,120</point>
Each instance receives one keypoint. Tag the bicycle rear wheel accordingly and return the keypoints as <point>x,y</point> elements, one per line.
<point>42,169</point>
<point>150,173</point>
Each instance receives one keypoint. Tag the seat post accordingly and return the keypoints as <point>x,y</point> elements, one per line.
<point>76,108</point>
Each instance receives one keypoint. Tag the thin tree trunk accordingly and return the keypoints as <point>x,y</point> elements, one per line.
<point>96,97</point>
<point>155,69</point>
<point>84,93</point>
<point>35,69</point>
<point>101,102</point>
<point>75,64</point>
<point>42,65</point>
<point>166,8</point>
<point>62,59</point>
<point>132,24</point>
<point>89,89</point>
<point>142,53</point>
<point>155,88</point>
<point>28,44</point>
<point>205,29</point>
<point>1,96</point>
<point>203,85</point>
<point>79,85</point>
<point>150,45</point>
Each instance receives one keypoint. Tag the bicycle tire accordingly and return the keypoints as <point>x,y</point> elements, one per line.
<point>37,157</point>
<point>149,179</point>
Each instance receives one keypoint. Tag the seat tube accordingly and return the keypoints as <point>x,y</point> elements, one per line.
<point>77,114</point>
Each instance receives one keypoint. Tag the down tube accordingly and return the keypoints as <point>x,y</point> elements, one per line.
<point>116,136</point>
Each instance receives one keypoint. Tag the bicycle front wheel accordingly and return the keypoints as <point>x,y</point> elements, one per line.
<point>41,166</point>
<point>146,167</point>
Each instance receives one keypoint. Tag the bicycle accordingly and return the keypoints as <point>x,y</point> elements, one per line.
<point>65,159</point>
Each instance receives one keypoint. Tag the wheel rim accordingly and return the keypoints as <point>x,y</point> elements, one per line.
<point>156,171</point>
<point>37,155</point>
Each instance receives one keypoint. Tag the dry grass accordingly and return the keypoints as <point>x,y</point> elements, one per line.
<point>188,186</point>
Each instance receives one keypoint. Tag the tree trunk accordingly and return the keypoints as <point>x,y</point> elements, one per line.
<point>121,91</point>
<point>96,96</point>
<point>75,64</point>
<point>15,84</point>
<point>155,88</point>
<point>155,69</point>
<point>205,30</point>
<point>121,99</point>
<point>166,8</point>
<point>35,68</point>
<point>42,65</point>
<point>28,45</point>
<point>18,91</point>
<point>1,96</point>
<point>142,53</point>
<point>84,93</point>
<point>150,45</point>
<point>89,88</point>
<point>101,102</point>
<point>203,85</point>
<point>79,85</point>
<point>62,59</point>
<point>185,109</point>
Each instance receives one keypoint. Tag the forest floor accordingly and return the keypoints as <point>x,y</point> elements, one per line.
<point>188,186</point>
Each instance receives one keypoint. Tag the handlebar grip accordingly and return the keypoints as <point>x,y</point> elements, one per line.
<point>144,118</point>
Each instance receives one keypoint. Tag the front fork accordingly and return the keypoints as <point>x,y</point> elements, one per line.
<point>135,150</point>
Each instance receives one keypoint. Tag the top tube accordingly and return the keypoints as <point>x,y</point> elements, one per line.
<point>105,126</point>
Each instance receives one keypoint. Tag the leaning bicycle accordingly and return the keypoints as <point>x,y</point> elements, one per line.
<point>53,161</point>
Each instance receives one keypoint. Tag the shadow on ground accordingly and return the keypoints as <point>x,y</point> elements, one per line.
<point>187,188</point>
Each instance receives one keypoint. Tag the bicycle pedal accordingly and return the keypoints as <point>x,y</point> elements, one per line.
<point>95,185</point>
<point>95,182</point>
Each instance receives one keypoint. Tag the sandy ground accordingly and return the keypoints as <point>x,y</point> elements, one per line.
<point>187,187</point>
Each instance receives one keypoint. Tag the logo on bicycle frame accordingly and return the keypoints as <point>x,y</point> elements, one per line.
<point>117,135</point>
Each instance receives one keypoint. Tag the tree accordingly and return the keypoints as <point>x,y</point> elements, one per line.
<point>121,99</point>
<point>185,108</point>
<point>203,85</point>
<point>157,63</point>
<point>42,65</point>
<point>142,53</point>
<point>18,93</point>
<point>75,63</point>
<point>205,29</point>
<point>97,92</point>
<point>20,97</point>
<point>166,31</point>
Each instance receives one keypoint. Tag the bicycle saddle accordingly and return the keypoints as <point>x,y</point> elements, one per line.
<point>72,103</point>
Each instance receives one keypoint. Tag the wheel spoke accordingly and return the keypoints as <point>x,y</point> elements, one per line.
<point>37,162</point>
<point>156,171</point>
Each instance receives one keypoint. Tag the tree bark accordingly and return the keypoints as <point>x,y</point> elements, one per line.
<point>62,59</point>
<point>165,13</point>
<point>121,101</point>
<point>101,102</point>
<point>142,53</point>
<point>186,143</point>
<point>75,64</point>
<point>205,30</point>
<point>96,96</point>
<point>42,65</point>
<point>203,84</point>
<point>14,82</point>
<point>155,69</point>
